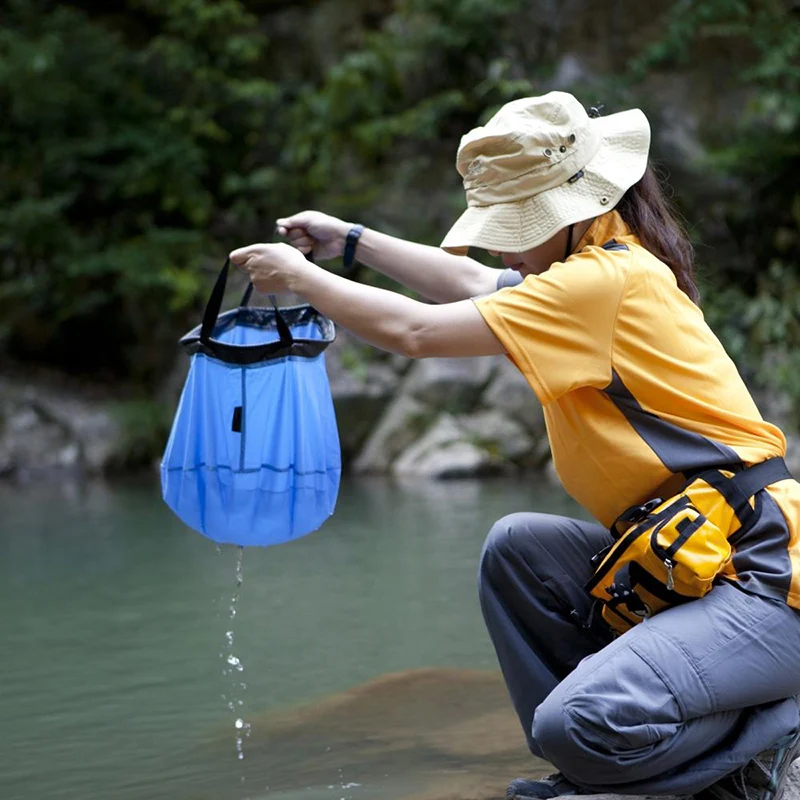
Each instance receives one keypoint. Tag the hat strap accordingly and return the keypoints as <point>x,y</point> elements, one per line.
<point>569,242</point>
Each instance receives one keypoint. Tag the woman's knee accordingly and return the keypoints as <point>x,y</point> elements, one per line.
<point>511,535</point>
<point>605,716</point>
<point>579,748</point>
<point>499,539</point>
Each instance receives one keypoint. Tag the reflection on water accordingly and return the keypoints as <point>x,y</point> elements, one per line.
<point>369,672</point>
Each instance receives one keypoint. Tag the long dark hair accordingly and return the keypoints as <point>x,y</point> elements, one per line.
<point>649,214</point>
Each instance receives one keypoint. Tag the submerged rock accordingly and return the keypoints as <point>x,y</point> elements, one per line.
<point>424,734</point>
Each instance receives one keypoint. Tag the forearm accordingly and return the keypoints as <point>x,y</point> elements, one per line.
<point>385,319</point>
<point>433,273</point>
<point>379,317</point>
<point>397,323</point>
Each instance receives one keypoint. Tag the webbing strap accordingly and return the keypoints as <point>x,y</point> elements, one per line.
<point>753,479</point>
<point>214,306</point>
<point>739,488</point>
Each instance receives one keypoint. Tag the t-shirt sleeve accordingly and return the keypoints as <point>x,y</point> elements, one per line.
<point>558,327</point>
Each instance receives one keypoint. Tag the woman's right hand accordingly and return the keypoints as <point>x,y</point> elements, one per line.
<point>315,232</point>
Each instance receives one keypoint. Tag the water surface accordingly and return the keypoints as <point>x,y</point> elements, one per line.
<point>368,669</point>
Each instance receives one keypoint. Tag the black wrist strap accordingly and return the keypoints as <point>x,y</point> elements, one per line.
<point>349,255</point>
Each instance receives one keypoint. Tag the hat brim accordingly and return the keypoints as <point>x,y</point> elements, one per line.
<point>619,163</point>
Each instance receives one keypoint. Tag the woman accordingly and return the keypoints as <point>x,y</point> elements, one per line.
<point>597,308</point>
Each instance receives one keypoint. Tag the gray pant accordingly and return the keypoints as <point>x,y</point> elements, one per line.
<point>669,707</point>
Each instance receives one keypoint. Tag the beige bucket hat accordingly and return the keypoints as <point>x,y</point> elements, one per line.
<point>541,164</point>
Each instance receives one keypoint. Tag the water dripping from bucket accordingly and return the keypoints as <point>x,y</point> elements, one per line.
<point>233,668</point>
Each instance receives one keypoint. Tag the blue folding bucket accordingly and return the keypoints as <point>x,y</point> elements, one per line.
<point>253,457</point>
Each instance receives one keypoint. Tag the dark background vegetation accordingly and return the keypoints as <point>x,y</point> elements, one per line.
<point>141,140</point>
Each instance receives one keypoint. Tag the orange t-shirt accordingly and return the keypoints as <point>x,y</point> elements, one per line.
<point>636,389</point>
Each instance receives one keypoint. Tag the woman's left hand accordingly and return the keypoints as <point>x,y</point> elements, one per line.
<point>273,268</point>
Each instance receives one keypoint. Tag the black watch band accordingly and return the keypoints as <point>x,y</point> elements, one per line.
<point>353,235</point>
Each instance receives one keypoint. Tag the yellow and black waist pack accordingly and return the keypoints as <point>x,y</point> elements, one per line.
<point>670,551</point>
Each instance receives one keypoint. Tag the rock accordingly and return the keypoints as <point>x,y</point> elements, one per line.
<point>775,406</point>
<point>99,434</point>
<point>69,456</point>
<point>361,390</point>
<point>550,473</point>
<point>404,420</point>
<point>792,791</point>
<point>568,71</point>
<point>44,428</point>
<point>446,450</point>
<point>360,399</point>
<point>498,433</point>
<point>458,723</point>
<point>452,731</point>
<point>400,364</point>
<point>509,391</point>
<point>793,454</point>
<point>450,384</point>
<point>30,442</point>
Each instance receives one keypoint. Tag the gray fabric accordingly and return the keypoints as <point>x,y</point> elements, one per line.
<point>532,572</point>
<point>667,708</point>
<point>508,277</point>
<point>678,449</point>
<point>761,552</point>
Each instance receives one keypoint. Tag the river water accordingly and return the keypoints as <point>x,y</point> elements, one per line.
<point>368,670</point>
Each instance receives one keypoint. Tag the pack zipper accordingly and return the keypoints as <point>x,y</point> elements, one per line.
<point>685,528</point>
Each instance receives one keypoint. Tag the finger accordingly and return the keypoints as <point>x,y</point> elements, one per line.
<point>303,242</point>
<point>300,220</point>
<point>241,255</point>
<point>289,231</point>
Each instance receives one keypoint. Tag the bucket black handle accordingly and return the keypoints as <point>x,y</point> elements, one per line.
<point>214,306</point>
<point>248,292</point>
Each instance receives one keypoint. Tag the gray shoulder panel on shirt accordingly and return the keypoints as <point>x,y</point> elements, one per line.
<point>508,277</point>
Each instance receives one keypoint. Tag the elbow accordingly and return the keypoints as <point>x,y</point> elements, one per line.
<point>413,343</point>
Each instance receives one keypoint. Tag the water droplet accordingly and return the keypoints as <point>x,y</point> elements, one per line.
<point>240,568</point>
<point>234,665</point>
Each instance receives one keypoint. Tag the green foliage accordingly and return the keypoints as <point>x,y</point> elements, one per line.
<point>139,144</point>
<point>762,331</point>
<point>404,93</point>
<point>754,301</point>
<point>117,138</point>
<point>141,140</point>
<point>144,427</point>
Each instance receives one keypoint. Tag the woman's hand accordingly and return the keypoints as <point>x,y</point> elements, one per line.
<point>273,268</point>
<point>314,232</point>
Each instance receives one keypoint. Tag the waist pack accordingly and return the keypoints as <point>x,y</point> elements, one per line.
<point>670,551</point>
